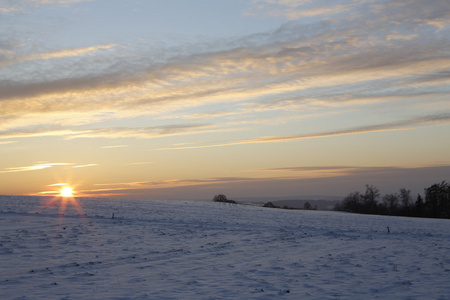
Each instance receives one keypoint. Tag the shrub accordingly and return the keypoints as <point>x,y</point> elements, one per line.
<point>271,205</point>
<point>222,198</point>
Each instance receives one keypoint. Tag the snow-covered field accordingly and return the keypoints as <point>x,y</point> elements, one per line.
<point>206,250</point>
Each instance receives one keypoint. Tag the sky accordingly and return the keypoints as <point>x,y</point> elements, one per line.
<point>177,99</point>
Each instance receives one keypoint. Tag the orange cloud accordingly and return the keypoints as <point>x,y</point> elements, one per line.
<point>35,167</point>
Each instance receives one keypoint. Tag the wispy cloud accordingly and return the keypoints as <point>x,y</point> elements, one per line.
<point>396,125</point>
<point>290,178</point>
<point>174,183</point>
<point>114,132</point>
<point>352,9</point>
<point>362,171</point>
<point>115,146</point>
<point>349,54</point>
<point>39,132</point>
<point>145,132</point>
<point>20,5</point>
<point>42,166</point>
<point>314,168</point>
<point>65,53</point>
<point>36,167</point>
<point>85,166</point>
<point>320,171</point>
<point>294,10</point>
<point>58,184</point>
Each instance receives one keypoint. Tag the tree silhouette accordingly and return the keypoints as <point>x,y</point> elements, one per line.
<point>222,198</point>
<point>405,197</point>
<point>352,202</point>
<point>437,200</point>
<point>435,205</point>
<point>419,207</point>
<point>370,199</point>
<point>390,203</point>
<point>307,206</point>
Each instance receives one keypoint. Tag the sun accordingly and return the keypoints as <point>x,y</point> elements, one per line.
<point>66,191</point>
<point>65,196</point>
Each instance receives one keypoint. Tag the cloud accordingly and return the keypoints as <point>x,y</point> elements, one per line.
<point>16,6</point>
<point>65,53</point>
<point>332,180</point>
<point>115,146</point>
<point>314,168</point>
<point>114,132</point>
<point>58,184</point>
<point>143,132</point>
<point>85,166</point>
<point>396,125</point>
<point>127,98</point>
<point>204,115</point>
<point>36,167</point>
<point>42,2</point>
<point>7,142</point>
<point>379,53</point>
<point>39,132</point>
<point>294,10</point>
<point>332,171</point>
<point>352,9</point>
<point>141,163</point>
<point>173,183</point>
<point>42,166</point>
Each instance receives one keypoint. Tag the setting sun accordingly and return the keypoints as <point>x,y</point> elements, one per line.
<point>66,192</point>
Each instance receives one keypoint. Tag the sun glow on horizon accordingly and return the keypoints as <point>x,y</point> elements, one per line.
<point>66,191</point>
<point>63,198</point>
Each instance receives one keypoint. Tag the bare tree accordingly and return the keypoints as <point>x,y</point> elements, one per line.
<point>390,202</point>
<point>352,202</point>
<point>370,198</point>
<point>405,198</point>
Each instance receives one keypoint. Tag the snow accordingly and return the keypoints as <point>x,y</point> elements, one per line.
<point>208,250</point>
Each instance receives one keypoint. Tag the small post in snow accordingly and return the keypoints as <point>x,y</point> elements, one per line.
<point>389,231</point>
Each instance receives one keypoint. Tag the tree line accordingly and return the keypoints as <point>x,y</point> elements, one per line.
<point>436,203</point>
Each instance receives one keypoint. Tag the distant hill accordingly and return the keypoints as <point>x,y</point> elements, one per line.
<point>322,202</point>
<point>299,204</point>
